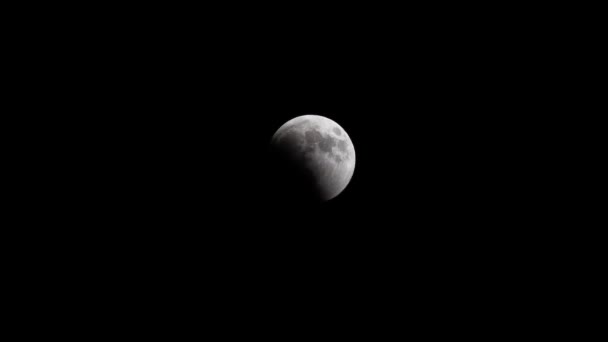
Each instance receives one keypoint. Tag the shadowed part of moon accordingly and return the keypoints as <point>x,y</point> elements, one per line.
<point>292,182</point>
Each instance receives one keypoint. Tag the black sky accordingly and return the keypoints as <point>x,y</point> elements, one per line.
<point>442,112</point>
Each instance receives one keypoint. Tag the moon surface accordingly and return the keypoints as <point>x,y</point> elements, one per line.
<point>318,153</point>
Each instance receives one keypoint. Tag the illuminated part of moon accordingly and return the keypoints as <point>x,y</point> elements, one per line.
<point>322,149</point>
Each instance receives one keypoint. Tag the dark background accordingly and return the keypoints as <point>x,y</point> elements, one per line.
<point>438,224</point>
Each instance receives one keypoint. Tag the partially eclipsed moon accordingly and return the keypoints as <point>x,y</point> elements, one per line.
<point>321,149</point>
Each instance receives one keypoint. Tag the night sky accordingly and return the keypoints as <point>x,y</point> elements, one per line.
<point>434,222</point>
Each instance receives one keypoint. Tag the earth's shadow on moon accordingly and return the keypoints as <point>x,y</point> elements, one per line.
<point>290,184</point>
<point>295,202</point>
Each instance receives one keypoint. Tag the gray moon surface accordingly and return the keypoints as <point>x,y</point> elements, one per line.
<point>320,147</point>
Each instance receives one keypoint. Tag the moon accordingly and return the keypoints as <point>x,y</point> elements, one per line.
<point>316,154</point>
